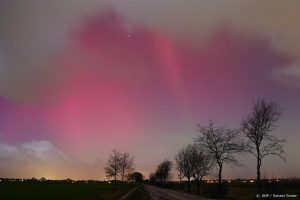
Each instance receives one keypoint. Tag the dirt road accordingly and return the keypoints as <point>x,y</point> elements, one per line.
<point>157,193</point>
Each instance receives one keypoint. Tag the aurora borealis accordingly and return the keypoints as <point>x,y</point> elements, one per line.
<point>80,78</point>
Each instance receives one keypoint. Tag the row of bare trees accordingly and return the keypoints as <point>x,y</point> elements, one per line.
<point>215,146</point>
<point>195,162</point>
<point>119,164</point>
<point>162,173</point>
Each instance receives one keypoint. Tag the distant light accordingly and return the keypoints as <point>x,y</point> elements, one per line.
<point>229,181</point>
<point>245,181</point>
<point>269,181</point>
<point>252,181</point>
<point>109,182</point>
<point>277,180</point>
<point>22,180</point>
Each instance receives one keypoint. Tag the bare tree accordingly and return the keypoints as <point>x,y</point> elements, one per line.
<point>179,158</point>
<point>221,143</point>
<point>184,163</point>
<point>126,165</point>
<point>112,167</point>
<point>163,171</point>
<point>152,177</point>
<point>202,163</point>
<point>257,128</point>
<point>135,177</point>
<point>166,167</point>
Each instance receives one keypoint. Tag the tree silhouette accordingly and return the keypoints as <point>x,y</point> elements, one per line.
<point>179,166</point>
<point>257,128</point>
<point>136,177</point>
<point>222,144</point>
<point>184,163</point>
<point>163,171</point>
<point>112,167</point>
<point>202,163</point>
<point>152,178</point>
<point>126,165</point>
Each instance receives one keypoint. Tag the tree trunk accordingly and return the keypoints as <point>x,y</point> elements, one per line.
<point>180,182</point>
<point>198,186</point>
<point>189,184</point>
<point>123,177</point>
<point>220,179</point>
<point>115,181</point>
<point>258,181</point>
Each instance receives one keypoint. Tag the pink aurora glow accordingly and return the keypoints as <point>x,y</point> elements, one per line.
<point>115,81</point>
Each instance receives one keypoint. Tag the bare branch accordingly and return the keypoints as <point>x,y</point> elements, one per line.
<point>112,167</point>
<point>221,144</point>
<point>258,127</point>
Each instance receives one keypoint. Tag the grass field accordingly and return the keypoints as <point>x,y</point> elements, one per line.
<point>106,191</point>
<point>62,191</point>
<point>248,191</point>
<point>241,190</point>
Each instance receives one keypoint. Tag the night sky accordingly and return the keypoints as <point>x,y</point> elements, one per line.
<point>79,78</point>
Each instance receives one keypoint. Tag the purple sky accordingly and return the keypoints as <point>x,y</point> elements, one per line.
<point>80,78</point>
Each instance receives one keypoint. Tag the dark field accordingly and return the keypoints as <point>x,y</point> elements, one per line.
<point>240,190</point>
<point>246,191</point>
<point>106,191</point>
<point>62,191</point>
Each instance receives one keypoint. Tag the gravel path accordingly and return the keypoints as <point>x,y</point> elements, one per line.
<point>157,193</point>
